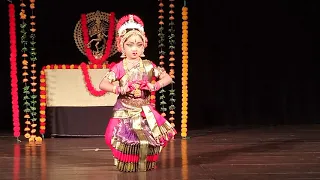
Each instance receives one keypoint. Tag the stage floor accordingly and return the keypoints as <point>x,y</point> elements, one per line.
<point>277,153</point>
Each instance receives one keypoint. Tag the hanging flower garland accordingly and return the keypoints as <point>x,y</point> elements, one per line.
<point>33,59</point>
<point>184,112</point>
<point>88,82</point>
<point>153,94</point>
<point>25,74</point>
<point>172,43</point>
<point>109,42</point>
<point>87,79</point>
<point>43,102</point>
<point>13,71</point>
<point>162,53</point>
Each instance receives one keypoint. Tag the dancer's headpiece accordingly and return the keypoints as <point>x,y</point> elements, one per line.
<point>127,26</point>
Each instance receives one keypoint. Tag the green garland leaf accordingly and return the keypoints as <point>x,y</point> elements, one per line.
<point>163,109</point>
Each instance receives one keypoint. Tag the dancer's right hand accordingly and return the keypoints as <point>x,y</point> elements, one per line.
<point>124,89</point>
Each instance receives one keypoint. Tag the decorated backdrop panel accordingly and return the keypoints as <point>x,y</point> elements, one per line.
<point>67,88</point>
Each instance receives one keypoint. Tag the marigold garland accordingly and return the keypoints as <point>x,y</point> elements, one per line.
<point>153,94</point>
<point>184,109</point>
<point>172,43</point>
<point>29,131</point>
<point>162,53</point>
<point>86,76</point>
<point>33,59</point>
<point>43,102</point>
<point>109,42</point>
<point>13,71</point>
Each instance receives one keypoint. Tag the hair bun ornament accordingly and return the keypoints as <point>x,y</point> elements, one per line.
<point>129,22</point>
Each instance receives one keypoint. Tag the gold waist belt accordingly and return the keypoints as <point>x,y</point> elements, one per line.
<point>135,102</point>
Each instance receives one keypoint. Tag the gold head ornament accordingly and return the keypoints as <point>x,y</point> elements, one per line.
<point>130,25</point>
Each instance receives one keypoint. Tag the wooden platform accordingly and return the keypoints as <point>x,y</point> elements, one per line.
<point>268,153</point>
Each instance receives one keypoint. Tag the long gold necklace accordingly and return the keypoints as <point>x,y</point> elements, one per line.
<point>137,91</point>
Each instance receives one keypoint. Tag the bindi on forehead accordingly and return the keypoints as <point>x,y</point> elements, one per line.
<point>135,39</point>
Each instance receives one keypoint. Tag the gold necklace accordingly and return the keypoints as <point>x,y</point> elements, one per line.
<point>137,91</point>
<point>125,65</point>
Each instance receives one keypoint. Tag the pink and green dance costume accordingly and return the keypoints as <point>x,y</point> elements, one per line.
<point>136,133</point>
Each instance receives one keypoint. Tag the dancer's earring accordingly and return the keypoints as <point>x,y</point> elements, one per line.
<point>142,54</point>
